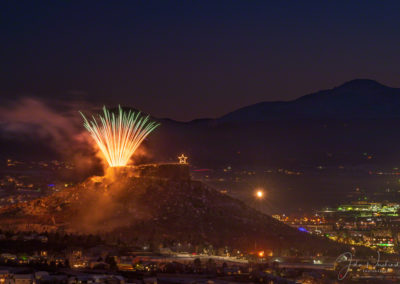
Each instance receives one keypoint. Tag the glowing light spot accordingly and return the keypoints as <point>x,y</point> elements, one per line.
<point>182,159</point>
<point>259,193</point>
<point>119,135</point>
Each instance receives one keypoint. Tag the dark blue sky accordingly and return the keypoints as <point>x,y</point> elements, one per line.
<point>191,59</point>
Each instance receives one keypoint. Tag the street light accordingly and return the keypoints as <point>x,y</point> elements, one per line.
<point>259,193</point>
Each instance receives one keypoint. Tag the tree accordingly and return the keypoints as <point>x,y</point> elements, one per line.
<point>197,265</point>
<point>110,260</point>
<point>211,265</point>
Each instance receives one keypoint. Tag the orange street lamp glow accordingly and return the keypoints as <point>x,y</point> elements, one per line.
<point>259,194</point>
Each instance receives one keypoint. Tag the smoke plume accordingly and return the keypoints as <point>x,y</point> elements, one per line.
<point>61,130</point>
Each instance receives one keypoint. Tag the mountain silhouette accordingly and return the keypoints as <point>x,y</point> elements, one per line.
<point>356,99</point>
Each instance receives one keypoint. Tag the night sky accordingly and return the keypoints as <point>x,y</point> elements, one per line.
<point>193,59</point>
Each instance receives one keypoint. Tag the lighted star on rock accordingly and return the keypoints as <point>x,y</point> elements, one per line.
<point>182,159</point>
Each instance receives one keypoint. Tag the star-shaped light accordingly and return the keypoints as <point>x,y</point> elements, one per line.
<point>182,159</point>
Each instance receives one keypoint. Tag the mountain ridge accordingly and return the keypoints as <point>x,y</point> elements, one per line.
<point>355,99</point>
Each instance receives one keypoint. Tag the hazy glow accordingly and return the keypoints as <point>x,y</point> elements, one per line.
<point>119,135</point>
<point>259,194</point>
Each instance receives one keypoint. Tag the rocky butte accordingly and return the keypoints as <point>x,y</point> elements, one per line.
<point>159,204</point>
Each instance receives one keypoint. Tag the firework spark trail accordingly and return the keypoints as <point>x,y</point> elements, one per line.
<point>118,136</point>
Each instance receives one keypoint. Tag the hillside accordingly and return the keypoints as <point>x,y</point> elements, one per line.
<point>159,211</point>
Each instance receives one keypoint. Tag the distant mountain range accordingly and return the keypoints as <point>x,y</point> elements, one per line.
<point>360,116</point>
<point>357,99</point>
<point>357,117</point>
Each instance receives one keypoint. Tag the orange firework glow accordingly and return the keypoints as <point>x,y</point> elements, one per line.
<point>259,193</point>
<point>119,135</point>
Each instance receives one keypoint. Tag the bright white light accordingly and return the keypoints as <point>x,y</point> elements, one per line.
<point>259,193</point>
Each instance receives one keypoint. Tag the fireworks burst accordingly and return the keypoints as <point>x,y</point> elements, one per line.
<point>119,135</point>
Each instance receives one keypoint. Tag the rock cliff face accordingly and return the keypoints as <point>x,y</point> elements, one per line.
<point>170,171</point>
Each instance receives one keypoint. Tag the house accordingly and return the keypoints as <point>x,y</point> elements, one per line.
<point>24,279</point>
<point>6,277</point>
<point>41,274</point>
<point>62,279</point>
